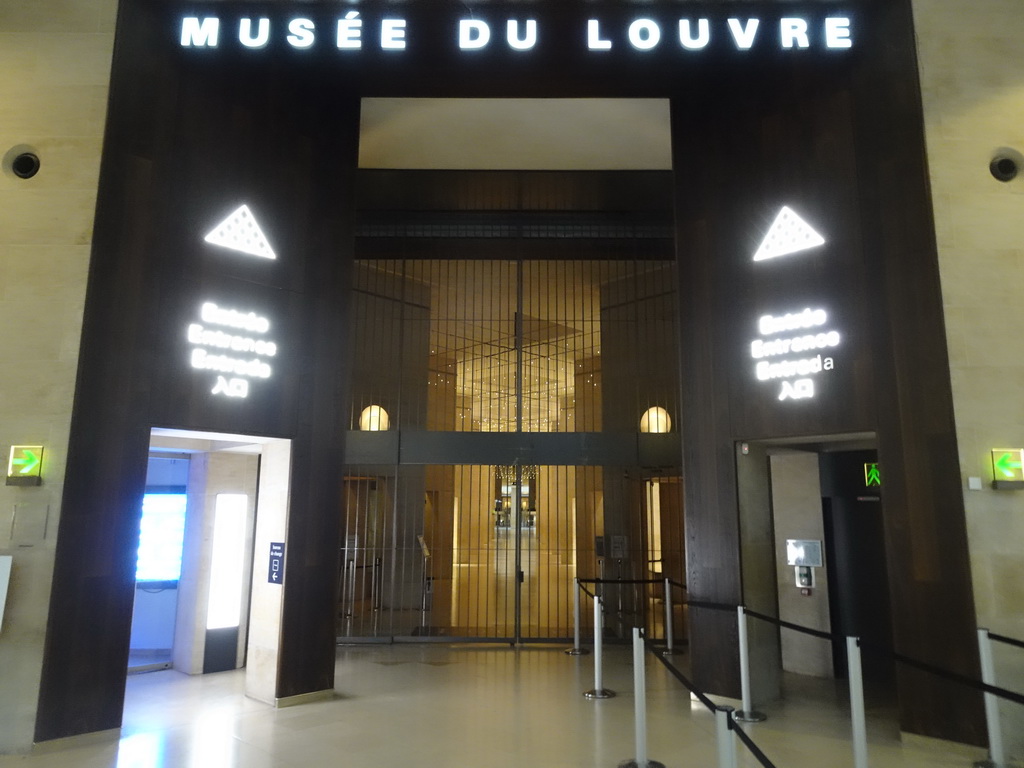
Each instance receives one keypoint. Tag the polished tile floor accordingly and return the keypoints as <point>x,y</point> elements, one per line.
<point>437,706</point>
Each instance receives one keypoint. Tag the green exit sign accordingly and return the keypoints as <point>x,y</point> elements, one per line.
<point>25,465</point>
<point>1008,467</point>
<point>872,477</point>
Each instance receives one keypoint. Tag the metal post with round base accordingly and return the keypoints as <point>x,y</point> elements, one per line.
<point>599,691</point>
<point>748,714</point>
<point>669,629</point>
<point>723,735</point>
<point>576,649</point>
<point>640,706</point>
<point>996,752</point>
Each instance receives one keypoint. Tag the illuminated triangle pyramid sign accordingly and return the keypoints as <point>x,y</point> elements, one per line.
<point>788,234</point>
<point>240,232</point>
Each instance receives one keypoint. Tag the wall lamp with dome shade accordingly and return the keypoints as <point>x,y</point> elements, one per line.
<point>656,420</point>
<point>374,419</point>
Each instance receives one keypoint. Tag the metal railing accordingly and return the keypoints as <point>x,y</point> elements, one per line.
<point>724,721</point>
<point>854,646</point>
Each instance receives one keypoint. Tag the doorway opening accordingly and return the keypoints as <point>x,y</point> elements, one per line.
<point>514,321</point>
<point>199,532</point>
<point>826,532</point>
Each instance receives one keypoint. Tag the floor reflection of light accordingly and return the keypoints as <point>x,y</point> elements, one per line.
<point>213,741</point>
<point>141,750</point>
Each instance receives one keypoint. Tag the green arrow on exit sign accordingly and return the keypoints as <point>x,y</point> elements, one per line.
<point>26,461</point>
<point>1008,464</point>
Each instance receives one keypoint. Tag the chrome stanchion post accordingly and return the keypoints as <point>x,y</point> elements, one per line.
<point>577,649</point>
<point>748,714</point>
<point>350,587</point>
<point>639,699</point>
<point>669,629</point>
<point>377,585</point>
<point>423,600</point>
<point>618,592</point>
<point>996,755</point>
<point>726,741</point>
<point>640,707</point>
<point>857,717</point>
<point>599,692</point>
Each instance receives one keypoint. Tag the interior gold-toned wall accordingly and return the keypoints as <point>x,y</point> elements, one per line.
<point>972,78</point>
<point>54,68</point>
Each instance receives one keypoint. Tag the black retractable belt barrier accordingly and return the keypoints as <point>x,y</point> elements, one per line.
<point>714,708</point>
<point>1007,640</point>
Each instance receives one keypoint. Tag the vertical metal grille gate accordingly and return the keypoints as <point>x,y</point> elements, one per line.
<point>490,551</point>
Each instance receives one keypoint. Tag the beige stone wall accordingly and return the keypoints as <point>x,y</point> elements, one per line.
<point>54,68</point>
<point>972,75</point>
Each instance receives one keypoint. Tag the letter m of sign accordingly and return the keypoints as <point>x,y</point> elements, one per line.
<point>199,33</point>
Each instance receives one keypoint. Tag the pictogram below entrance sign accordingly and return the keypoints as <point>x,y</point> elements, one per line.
<point>25,465</point>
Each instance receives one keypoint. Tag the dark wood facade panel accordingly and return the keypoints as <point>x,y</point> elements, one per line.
<point>855,162</point>
<point>174,165</point>
<point>498,249</point>
<point>430,190</point>
<point>926,537</point>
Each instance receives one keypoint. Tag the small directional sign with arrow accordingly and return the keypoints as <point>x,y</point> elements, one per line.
<point>276,573</point>
<point>25,466</point>
<point>1008,467</point>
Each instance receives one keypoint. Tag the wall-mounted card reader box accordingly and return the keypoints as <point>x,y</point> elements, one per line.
<point>805,577</point>
<point>803,552</point>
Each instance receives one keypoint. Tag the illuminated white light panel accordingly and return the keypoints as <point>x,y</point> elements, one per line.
<point>240,232</point>
<point>788,234</point>
<point>228,562</point>
<point>161,537</point>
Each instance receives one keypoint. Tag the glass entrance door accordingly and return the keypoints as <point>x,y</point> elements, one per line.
<point>513,567</point>
<point>490,552</point>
